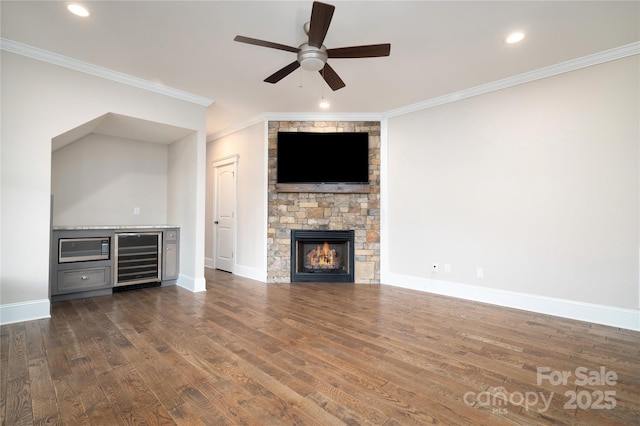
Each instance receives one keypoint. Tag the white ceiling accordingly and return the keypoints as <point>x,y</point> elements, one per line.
<point>437,47</point>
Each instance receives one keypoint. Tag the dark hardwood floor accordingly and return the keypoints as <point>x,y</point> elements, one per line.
<point>317,354</point>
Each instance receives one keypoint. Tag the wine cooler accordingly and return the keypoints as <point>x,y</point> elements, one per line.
<point>138,258</point>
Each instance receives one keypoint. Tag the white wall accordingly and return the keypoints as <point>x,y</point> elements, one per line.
<point>537,184</point>
<point>98,180</point>
<point>39,102</point>
<point>186,194</point>
<point>250,146</point>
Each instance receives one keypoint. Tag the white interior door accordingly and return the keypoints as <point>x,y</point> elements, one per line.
<point>224,217</point>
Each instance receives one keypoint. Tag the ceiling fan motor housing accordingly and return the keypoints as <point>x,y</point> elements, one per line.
<point>312,58</point>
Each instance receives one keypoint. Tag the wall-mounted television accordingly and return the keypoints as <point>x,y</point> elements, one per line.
<point>323,158</point>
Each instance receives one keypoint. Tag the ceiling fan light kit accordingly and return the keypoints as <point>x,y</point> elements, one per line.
<point>313,55</point>
<point>312,58</point>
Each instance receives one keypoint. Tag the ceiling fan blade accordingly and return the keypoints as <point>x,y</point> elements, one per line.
<point>321,15</point>
<point>263,43</point>
<point>331,77</point>
<point>368,51</point>
<point>283,72</point>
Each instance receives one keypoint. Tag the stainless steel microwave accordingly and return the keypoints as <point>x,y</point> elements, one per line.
<point>83,249</point>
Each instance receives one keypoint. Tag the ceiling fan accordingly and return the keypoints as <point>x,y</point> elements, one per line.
<point>313,55</point>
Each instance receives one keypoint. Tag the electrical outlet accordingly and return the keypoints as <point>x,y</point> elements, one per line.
<point>434,267</point>
<point>479,272</point>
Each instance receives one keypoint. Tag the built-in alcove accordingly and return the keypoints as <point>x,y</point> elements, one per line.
<point>113,170</point>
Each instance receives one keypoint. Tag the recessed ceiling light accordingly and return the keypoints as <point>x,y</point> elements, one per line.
<point>78,10</point>
<point>515,37</point>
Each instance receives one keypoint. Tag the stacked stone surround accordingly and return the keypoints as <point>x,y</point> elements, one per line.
<point>325,211</point>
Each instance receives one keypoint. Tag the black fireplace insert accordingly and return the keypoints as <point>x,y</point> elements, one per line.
<point>322,256</point>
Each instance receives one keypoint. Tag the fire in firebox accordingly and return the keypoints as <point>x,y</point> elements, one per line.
<point>323,257</point>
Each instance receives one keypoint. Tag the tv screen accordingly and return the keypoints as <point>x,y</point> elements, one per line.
<point>316,158</point>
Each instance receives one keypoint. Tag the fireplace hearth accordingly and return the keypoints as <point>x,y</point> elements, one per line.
<point>322,256</point>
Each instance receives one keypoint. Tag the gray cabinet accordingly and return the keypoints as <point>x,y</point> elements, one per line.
<point>80,263</point>
<point>75,280</point>
<point>83,259</point>
<point>171,254</point>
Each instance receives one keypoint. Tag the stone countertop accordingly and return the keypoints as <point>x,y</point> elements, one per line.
<point>114,227</point>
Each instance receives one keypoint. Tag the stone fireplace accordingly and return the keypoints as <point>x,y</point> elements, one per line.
<point>322,256</point>
<point>318,211</point>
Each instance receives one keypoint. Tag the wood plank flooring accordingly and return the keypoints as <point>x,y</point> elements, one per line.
<point>248,353</point>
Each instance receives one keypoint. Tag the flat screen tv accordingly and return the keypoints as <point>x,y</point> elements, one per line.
<point>323,158</point>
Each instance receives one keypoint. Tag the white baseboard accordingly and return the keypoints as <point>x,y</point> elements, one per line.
<point>199,284</point>
<point>208,262</point>
<point>191,283</point>
<point>242,271</point>
<point>25,311</point>
<point>598,314</point>
<point>252,273</point>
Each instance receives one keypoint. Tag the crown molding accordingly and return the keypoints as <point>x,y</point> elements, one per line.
<point>67,62</point>
<point>295,116</point>
<point>563,67</point>
<point>322,116</point>
<point>550,71</point>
